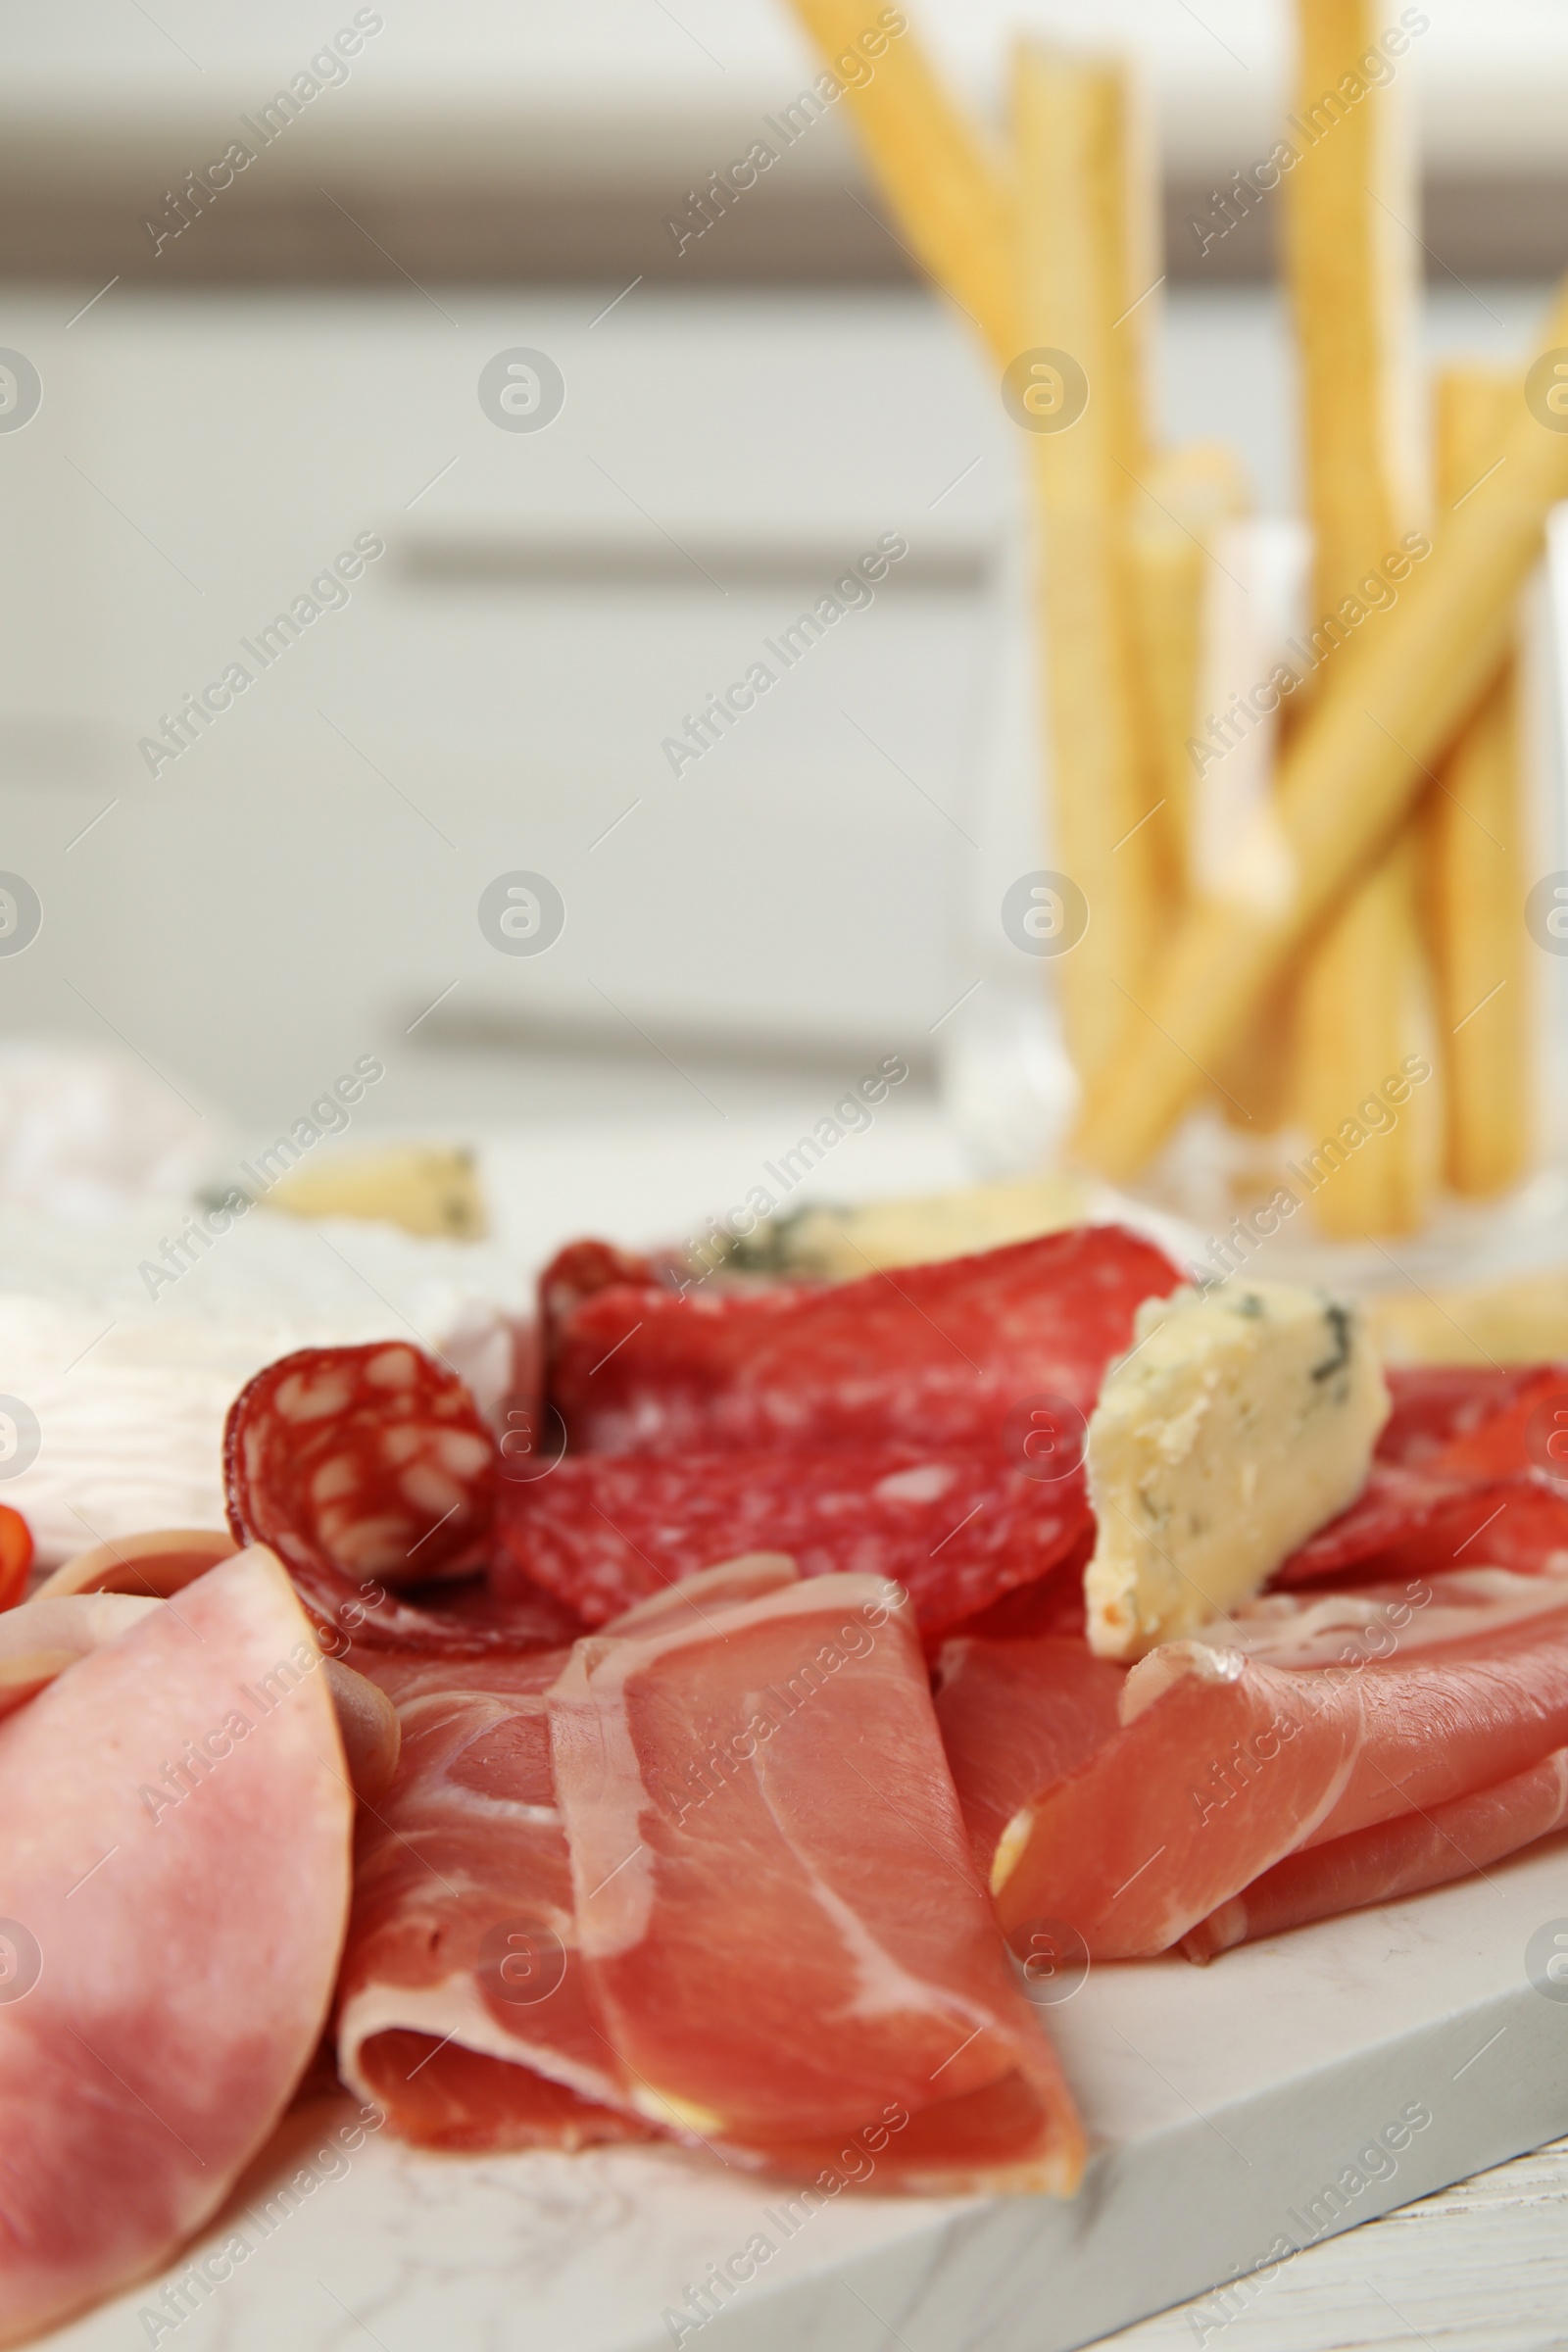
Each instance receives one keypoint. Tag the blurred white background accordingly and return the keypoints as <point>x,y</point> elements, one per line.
<point>742,420</point>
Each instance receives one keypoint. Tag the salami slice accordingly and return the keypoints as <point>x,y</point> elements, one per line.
<point>373,1459</point>
<point>370,1473</point>
<point>956,1528</point>
<point>936,1355</point>
<point>1421,1522</point>
<point>1479,1477</point>
<point>1529,1431</point>
<point>1433,1404</point>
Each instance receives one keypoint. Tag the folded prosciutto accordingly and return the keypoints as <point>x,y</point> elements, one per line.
<point>1224,1764</point>
<point>464,2006</point>
<point>174,1857</point>
<point>776,1902</point>
<point>1396,1858</point>
<point>1017,1716</point>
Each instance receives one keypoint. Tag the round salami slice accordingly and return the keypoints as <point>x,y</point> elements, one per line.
<point>367,1469</point>
<point>369,1460</point>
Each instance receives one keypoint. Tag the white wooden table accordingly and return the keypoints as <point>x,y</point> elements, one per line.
<point>1482,2266</point>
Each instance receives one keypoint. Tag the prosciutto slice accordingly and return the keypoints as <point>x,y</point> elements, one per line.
<point>777,1904</point>
<point>1396,1858</point>
<point>1016,1717</point>
<point>464,2008</point>
<point>1224,1764</point>
<point>175,1865</point>
<point>939,1354</point>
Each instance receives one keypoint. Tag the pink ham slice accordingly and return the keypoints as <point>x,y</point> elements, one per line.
<point>1225,1764</point>
<point>170,1960</point>
<point>777,1903</point>
<point>43,1637</point>
<point>465,2007</point>
<point>1395,1859</point>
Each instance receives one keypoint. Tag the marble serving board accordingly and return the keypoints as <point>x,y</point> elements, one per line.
<point>1261,2103</point>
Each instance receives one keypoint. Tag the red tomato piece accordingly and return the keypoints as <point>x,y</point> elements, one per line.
<point>16,1555</point>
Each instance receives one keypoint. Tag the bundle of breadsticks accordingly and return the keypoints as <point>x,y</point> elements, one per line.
<point>1307,903</point>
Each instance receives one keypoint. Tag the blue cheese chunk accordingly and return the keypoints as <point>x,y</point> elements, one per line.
<point>1238,1421</point>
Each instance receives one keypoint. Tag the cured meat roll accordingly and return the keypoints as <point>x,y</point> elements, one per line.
<point>371,1460</point>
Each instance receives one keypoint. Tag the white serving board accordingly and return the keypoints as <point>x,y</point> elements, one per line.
<point>1217,2099</point>
<point>1221,2101</point>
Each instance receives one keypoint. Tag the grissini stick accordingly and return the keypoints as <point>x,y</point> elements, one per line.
<point>944,186</point>
<point>1070,144</point>
<point>1402,688</point>
<point>1189,495</point>
<point>1475,856</point>
<point>1249,603</point>
<point>1366,997</point>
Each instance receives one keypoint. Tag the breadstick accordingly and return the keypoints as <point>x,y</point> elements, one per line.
<point>1364,1012</point>
<point>1474,857</point>
<point>1248,611</point>
<point>1523,1321</point>
<point>1070,144</point>
<point>945,189</point>
<point>1346,784</point>
<point>1186,495</point>
<point>1364,999</point>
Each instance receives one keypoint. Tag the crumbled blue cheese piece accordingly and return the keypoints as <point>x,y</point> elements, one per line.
<point>1238,1421</point>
